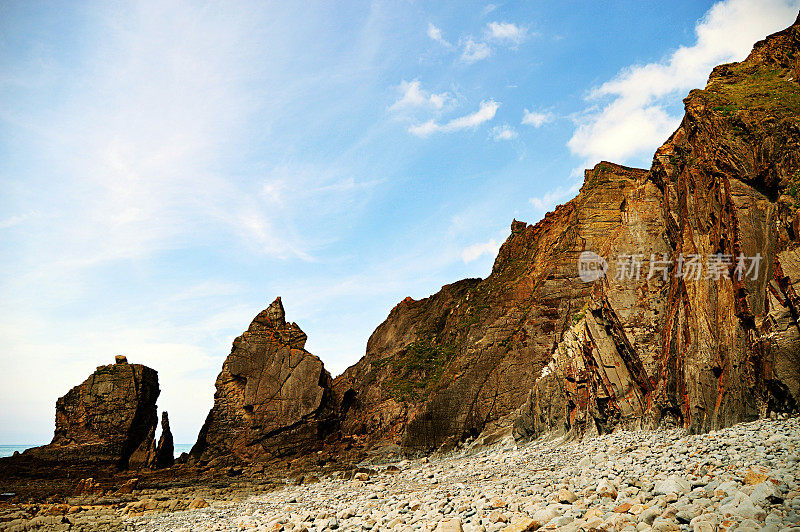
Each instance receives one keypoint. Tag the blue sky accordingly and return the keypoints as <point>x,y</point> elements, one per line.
<point>169,168</point>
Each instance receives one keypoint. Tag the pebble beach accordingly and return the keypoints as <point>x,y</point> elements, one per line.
<point>743,478</point>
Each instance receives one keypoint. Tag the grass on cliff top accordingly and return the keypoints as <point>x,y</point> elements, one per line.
<point>758,88</point>
<point>416,369</point>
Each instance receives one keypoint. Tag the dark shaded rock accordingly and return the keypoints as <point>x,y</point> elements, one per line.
<point>165,451</point>
<point>145,455</point>
<point>107,419</point>
<point>451,365</point>
<point>273,397</point>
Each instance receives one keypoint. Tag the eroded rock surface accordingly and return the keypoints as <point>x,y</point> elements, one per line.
<point>273,397</point>
<point>106,419</point>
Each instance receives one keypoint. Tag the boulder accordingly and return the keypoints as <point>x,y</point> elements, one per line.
<point>674,484</point>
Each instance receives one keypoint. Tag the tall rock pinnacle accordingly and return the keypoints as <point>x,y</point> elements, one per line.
<point>273,397</point>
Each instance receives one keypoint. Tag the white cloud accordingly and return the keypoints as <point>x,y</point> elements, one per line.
<point>436,34</point>
<point>154,151</point>
<point>506,33</point>
<point>475,51</point>
<point>488,9</point>
<point>413,95</point>
<point>536,119</point>
<point>476,251</point>
<point>633,120</point>
<point>15,220</point>
<point>485,113</point>
<point>551,198</point>
<point>504,132</point>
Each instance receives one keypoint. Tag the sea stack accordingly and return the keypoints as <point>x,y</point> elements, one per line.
<point>106,419</point>
<point>273,397</point>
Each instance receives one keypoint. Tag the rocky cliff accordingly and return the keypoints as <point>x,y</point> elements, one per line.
<point>647,343</point>
<point>727,347</point>
<point>666,296</point>
<point>272,396</point>
<point>109,419</point>
<point>445,367</point>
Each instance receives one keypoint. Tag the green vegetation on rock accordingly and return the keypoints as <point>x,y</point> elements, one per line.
<point>416,368</point>
<point>754,88</point>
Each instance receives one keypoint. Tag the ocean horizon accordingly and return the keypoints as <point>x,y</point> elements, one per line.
<point>9,450</point>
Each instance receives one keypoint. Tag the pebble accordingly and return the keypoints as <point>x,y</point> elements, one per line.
<point>741,479</point>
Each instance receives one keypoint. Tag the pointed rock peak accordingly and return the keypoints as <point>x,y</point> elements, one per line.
<point>165,451</point>
<point>517,226</point>
<point>275,311</point>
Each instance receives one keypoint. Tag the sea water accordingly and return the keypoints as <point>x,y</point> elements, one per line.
<point>8,450</point>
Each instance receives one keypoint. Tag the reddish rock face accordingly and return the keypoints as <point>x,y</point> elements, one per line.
<point>725,349</point>
<point>107,418</point>
<point>634,352</point>
<point>273,397</point>
<point>448,366</point>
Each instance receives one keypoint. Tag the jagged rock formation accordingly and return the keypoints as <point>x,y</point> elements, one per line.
<point>107,419</point>
<point>273,397</point>
<point>445,367</point>
<point>728,346</point>
<point>165,451</point>
<point>637,351</point>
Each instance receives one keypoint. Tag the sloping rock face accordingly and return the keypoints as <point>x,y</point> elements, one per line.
<point>727,346</point>
<point>443,368</point>
<point>273,397</point>
<point>642,345</point>
<point>106,419</point>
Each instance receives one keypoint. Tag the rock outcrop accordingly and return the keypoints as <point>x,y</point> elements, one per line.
<point>107,419</point>
<point>272,397</point>
<point>645,344</point>
<point>165,451</point>
<point>446,367</point>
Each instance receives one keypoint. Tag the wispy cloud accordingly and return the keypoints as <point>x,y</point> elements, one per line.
<point>485,113</point>
<point>436,34</point>
<point>551,198</point>
<point>476,251</point>
<point>504,132</point>
<point>412,95</point>
<point>475,51</point>
<point>628,116</point>
<point>16,220</point>
<point>506,33</point>
<point>536,119</point>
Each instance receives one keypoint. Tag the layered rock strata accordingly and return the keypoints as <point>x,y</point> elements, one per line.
<point>727,342</point>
